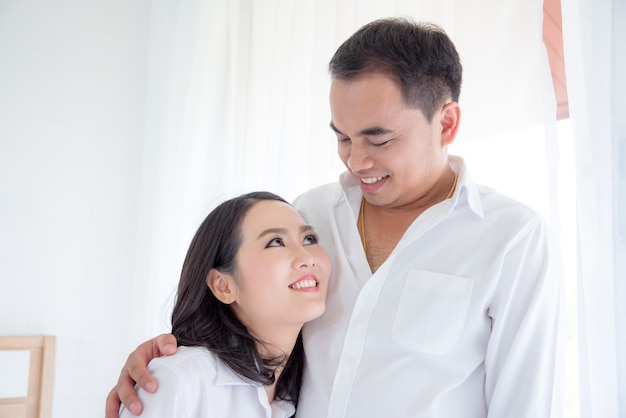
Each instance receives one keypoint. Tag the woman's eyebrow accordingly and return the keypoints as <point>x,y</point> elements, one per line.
<point>306,228</point>
<point>272,231</point>
<point>283,231</point>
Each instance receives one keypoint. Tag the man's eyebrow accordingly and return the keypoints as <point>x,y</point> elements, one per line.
<point>373,131</point>
<point>283,231</point>
<point>334,128</point>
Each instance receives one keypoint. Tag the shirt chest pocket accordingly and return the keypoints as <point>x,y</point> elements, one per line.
<point>431,312</point>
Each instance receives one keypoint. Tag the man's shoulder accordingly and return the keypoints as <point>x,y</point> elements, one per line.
<point>500,207</point>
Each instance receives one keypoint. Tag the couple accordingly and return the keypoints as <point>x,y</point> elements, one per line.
<point>446,298</point>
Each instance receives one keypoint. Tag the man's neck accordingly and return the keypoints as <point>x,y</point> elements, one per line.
<point>381,228</point>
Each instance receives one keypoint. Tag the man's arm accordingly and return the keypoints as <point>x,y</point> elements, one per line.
<point>525,359</point>
<point>136,371</point>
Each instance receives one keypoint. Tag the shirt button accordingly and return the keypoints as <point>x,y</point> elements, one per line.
<point>348,360</point>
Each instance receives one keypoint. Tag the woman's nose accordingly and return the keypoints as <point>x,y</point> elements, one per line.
<point>304,258</point>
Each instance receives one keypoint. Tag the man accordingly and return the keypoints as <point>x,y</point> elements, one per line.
<point>446,298</point>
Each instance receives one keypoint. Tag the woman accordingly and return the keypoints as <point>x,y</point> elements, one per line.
<point>253,275</point>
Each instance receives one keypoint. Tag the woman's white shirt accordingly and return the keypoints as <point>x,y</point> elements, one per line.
<point>195,382</point>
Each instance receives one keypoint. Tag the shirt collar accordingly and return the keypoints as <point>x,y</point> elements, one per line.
<point>225,376</point>
<point>466,189</point>
<point>285,408</point>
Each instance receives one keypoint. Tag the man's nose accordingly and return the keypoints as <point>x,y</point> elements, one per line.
<point>359,158</point>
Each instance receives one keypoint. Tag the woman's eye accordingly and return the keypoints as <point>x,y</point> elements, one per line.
<point>310,240</point>
<point>276,242</point>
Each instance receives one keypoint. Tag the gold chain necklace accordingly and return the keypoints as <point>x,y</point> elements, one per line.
<point>456,176</point>
<point>362,211</point>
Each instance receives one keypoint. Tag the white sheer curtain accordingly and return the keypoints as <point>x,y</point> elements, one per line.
<point>594,38</point>
<point>237,101</point>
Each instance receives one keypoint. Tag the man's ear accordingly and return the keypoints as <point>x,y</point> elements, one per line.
<point>222,286</point>
<point>450,119</point>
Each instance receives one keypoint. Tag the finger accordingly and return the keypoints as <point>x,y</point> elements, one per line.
<point>166,344</point>
<point>136,371</point>
<point>112,405</point>
<point>125,392</point>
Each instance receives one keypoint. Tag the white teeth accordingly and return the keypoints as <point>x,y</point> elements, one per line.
<point>371,180</point>
<point>304,283</point>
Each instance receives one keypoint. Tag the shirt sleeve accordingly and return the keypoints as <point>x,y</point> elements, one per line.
<point>167,402</point>
<point>525,362</point>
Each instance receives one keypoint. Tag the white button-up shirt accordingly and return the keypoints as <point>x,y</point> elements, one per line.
<point>465,319</point>
<point>195,383</point>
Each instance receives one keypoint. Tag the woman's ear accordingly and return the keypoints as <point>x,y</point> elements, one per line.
<point>222,286</point>
<point>450,119</point>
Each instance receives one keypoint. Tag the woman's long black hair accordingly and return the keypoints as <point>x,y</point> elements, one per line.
<point>200,319</point>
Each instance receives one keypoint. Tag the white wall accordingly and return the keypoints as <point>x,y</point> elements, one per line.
<point>72,103</point>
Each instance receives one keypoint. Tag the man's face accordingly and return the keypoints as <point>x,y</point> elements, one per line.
<point>395,154</point>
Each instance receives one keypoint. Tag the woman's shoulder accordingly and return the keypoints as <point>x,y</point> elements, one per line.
<point>188,360</point>
<point>185,384</point>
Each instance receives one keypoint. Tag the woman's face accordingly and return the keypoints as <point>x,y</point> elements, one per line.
<point>282,272</point>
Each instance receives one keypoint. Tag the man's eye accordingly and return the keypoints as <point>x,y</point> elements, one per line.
<point>275,242</point>
<point>343,140</point>
<point>310,239</point>
<point>380,144</point>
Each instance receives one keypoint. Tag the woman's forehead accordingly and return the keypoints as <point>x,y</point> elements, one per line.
<point>272,214</point>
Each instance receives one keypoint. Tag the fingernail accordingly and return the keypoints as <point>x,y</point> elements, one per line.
<point>150,386</point>
<point>133,408</point>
